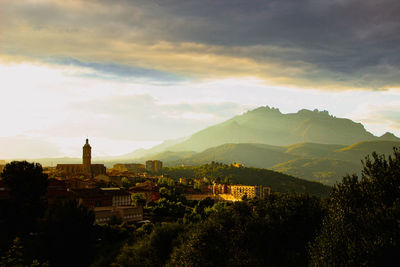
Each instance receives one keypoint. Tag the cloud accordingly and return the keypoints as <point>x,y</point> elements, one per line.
<point>143,118</point>
<point>318,44</point>
<point>117,71</point>
<point>380,116</point>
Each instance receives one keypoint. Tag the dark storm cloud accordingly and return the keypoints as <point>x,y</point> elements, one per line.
<point>355,43</point>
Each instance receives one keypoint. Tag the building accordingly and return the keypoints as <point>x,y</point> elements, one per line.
<point>221,192</point>
<point>109,203</point>
<point>148,189</point>
<point>125,214</point>
<point>56,191</point>
<point>154,166</point>
<point>251,191</point>
<point>220,189</point>
<point>79,183</point>
<point>91,197</point>
<point>119,197</point>
<point>129,167</point>
<point>238,191</point>
<point>86,169</point>
<point>102,197</point>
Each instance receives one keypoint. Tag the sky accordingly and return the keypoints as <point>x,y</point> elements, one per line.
<point>129,74</point>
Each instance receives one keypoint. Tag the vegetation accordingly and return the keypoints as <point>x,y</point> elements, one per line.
<point>223,173</point>
<point>356,225</point>
<point>323,163</point>
<point>362,226</point>
<point>26,203</point>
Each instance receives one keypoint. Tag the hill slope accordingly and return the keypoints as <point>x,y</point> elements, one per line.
<point>325,163</point>
<point>278,182</point>
<point>266,125</point>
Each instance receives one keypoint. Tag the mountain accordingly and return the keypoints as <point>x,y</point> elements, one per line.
<point>325,163</point>
<point>267,125</point>
<point>388,137</point>
<point>325,170</point>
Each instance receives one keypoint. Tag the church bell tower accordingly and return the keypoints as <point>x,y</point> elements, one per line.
<point>87,158</point>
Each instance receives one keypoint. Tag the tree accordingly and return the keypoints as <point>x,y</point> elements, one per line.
<point>153,249</point>
<point>27,184</point>
<point>362,227</point>
<point>67,234</point>
<point>272,232</point>
<point>139,199</point>
<point>125,182</point>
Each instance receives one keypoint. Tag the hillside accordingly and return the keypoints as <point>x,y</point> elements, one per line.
<point>325,163</point>
<point>278,182</point>
<point>266,125</point>
<point>326,171</point>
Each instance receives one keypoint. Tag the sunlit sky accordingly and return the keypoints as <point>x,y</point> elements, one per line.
<point>130,74</point>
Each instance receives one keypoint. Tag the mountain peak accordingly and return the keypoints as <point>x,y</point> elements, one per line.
<point>265,109</point>
<point>389,137</point>
<point>315,112</point>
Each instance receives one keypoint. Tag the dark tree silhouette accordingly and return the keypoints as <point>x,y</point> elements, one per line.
<point>362,227</point>
<point>67,233</point>
<point>27,184</point>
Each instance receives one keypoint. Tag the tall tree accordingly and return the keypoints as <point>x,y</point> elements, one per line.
<point>362,226</point>
<point>27,184</point>
<point>67,234</point>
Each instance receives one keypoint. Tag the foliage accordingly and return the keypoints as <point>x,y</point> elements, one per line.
<point>152,250</point>
<point>166,210</point>
<point>258,233</point>
<point>222,173</point>
<point>109,240</point>
<point>27,184</point>
<point>362,226</point>
<point>357,225</point>
<point>14,256</point>
<point>138,199</point>
<point>125,182</point>
<point>67,234</point>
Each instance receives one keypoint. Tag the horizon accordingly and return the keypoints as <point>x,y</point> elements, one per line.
<point>133,74</point>
<point>101,157</point>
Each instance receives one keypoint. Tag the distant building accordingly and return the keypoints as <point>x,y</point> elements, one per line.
<point>238,191</point>
<point>86,169</point>
<point>148,189</point>
<point>237,165</point>
<point>108,203</point>
<point>78,183</point>
<point>56,191</point>
<point>103,178</point>
<point>129,167</point>
<point>220,189</point>
<point>222,192</point>
<point>102,197</point>
<point>125,214</point>
<point>154,166</point>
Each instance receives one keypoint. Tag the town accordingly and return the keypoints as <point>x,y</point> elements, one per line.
<point>121,192</point>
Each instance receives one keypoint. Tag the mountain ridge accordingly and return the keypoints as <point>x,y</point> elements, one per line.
<point>265,125</point>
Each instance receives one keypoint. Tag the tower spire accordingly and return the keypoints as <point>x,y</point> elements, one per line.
<point>87,158</point>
